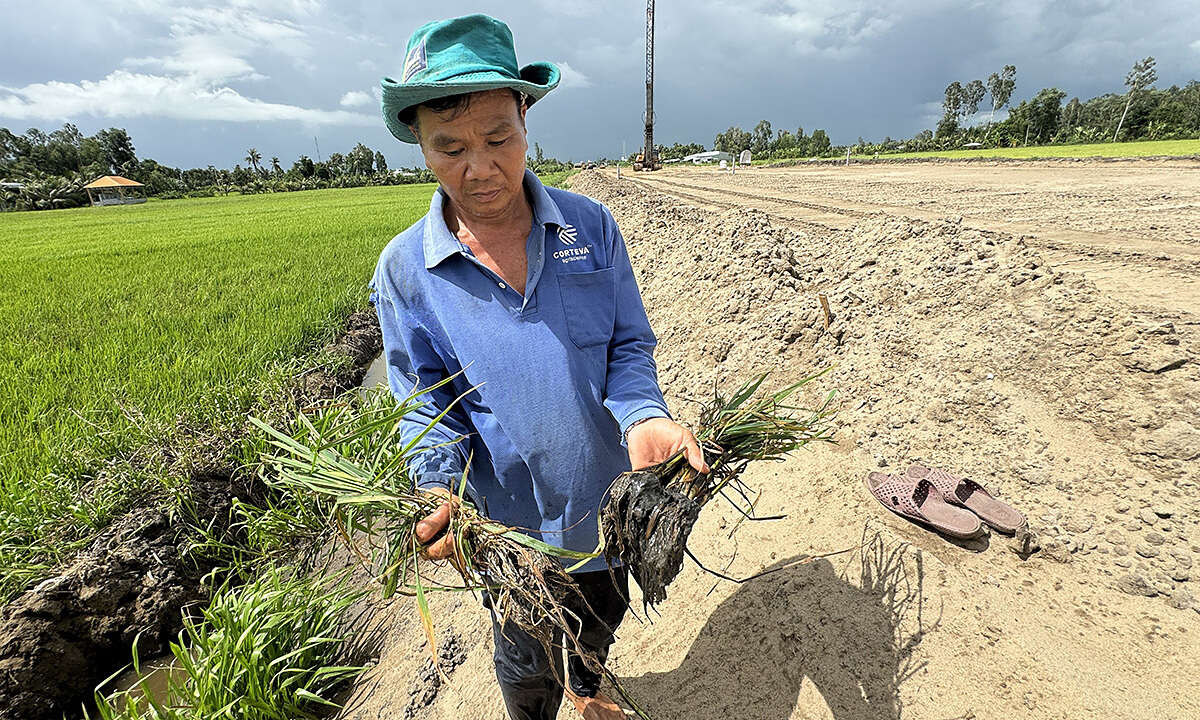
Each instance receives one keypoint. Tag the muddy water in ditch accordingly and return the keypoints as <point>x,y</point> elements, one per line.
<point>376,374</point>
<point>152,681</point>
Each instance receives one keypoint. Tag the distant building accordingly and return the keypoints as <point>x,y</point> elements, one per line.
<point>114,190</point>
<point>711,156</point>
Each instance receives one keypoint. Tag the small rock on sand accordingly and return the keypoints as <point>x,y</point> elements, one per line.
<point>1136,583</point>
<point>1146,550</point>
<point>1181,599</point>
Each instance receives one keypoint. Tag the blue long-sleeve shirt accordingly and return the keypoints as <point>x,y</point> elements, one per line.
<point>561,372</point>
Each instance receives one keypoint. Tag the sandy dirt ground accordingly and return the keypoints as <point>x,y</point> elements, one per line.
<point>1132,227</point>
<point>970,342</point>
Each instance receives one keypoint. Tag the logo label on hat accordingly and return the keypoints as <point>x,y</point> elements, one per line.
<point>415,62</point>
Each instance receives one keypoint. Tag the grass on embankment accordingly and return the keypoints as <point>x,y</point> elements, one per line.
<point>259,652</point>
<point>1150,148</point>
<point>557,179</point>
<point>117,321</point>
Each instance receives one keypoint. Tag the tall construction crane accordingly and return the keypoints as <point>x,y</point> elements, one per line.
<point>648,159</point>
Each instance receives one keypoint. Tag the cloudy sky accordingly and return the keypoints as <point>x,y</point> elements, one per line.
<point>199,83</point>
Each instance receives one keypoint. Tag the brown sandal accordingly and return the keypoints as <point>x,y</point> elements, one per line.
<point>917,499</point>
<point>971,495</point>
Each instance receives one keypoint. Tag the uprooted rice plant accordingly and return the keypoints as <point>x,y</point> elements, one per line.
<point>650,513</point>
<point>342,472</point>
<point>351,459</point>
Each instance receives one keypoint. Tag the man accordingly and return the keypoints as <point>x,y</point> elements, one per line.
<point>525,297</point>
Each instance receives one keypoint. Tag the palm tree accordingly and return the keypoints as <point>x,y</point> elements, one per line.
<point>275,168</point>
<point>252,157</point>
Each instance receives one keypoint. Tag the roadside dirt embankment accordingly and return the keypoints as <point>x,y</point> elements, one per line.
<point>954,346</point>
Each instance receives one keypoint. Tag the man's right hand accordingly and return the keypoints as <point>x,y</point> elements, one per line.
<point>437,522</point>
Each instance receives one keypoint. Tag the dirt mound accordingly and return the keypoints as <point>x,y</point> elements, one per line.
<point>61,638</point>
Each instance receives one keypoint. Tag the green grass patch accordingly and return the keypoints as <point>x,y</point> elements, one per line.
<point>265,651</point>
<point>119,323</point>
<point>1150,148</point>
<point>557,179</point>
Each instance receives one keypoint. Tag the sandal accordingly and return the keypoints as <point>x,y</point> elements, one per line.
<point>970,495</point>
<point>918,500</point>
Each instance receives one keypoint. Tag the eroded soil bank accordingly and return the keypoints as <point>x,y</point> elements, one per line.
<point>949,345</point>
<point>62,637</point>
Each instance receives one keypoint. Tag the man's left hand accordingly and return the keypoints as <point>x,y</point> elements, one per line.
<point>657,439</point>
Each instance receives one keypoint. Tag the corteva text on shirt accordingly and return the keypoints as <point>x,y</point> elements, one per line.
<point>572,254</point>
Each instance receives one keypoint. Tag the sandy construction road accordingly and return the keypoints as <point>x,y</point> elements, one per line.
<point>1132,227</point>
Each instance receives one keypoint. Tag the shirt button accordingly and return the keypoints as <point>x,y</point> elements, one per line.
<point>501,286</point>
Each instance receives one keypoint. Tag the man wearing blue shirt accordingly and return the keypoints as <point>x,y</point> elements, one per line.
<point>525,295</point>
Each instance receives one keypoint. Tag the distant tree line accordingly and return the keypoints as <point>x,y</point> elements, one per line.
<point>677,150</point>
<point>763,142</point>
<point>52,169</point>
<point>1142,112</point>
<point>540,164</point>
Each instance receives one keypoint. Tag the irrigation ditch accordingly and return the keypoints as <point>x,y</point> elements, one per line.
<point>138,578</point>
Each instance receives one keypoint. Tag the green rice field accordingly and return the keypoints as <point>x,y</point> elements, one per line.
<point>117,322</point>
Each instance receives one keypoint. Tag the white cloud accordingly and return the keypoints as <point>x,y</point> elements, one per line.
<point>572,78</point>
<point>204,49</point>
<point>355,98</point>
<point>126,94</point>
<point>835,29</point>
<point>1196,46</point>
<point>215,44</point>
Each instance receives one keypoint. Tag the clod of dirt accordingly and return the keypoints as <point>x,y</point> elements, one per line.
<point>428,683</point>
<point>1136,583</point>
<point>1024,542</point>
<point>646,527</point>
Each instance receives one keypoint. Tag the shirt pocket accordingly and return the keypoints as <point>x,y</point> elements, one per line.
<point>590,304</point>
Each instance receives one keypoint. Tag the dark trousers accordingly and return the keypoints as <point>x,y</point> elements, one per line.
<point>531,682</point>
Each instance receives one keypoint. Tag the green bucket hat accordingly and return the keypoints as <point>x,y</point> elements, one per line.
<point>460,55</point>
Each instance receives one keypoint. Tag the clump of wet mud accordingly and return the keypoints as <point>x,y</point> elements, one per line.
<point>59,639</point>
<point>646,526</point>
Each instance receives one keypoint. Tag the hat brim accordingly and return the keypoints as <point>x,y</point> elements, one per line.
<point>536,80</point>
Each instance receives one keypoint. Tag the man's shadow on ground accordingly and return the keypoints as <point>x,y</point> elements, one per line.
<point>854,642</point>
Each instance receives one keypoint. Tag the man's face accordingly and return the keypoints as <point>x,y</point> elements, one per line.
<point>478,154</point>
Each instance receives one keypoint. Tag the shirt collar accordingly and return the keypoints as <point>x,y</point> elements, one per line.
<point>440,243</point>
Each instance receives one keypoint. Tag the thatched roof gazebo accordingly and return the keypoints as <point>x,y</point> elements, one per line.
<point>114,190</point>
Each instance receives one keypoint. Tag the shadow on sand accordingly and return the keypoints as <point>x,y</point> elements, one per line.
<point>852,640</point>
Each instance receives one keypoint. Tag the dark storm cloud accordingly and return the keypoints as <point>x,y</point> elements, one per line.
<point>199,83</point>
